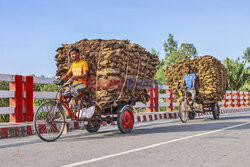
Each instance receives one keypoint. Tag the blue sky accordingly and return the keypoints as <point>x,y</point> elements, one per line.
<point>31,30</point>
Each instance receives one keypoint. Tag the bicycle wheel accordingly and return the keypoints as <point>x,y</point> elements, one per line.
<point>183,114</point>
<point>49,121</point>
<point>191,115</point>
<point>93,126</point>
<point>216,110</point>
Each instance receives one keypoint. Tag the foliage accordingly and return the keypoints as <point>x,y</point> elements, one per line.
<point>4,86</point>
<point>42,88</point>
<point>246,56</point>
<point>174,54</point>
<point>159,76</point>
<point>4,102</point>
<point>187,51</point>
<point>238,75</point>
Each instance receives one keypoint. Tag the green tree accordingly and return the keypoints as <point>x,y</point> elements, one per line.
<point>246,61</point>
<point>170,46</point>
<point>238,75</point>
<point>187,50</point>
<point>174,54</point>
<point>246,56</point>
<point>159,76</point>
<point>43,88</point>
<point>4,102</point>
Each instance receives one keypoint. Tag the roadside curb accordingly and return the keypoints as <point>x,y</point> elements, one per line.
<point>10,130</point>
<point>146,117</point>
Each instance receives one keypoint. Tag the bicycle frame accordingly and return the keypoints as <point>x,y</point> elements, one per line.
<point>64,100</point>
<point>185,99</point>
<point>123,114</point>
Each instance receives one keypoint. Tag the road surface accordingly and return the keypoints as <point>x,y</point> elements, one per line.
<point>166,143</point>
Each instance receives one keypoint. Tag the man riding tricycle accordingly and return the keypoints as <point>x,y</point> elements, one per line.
<point>188,106</point>
<point>71,102</point>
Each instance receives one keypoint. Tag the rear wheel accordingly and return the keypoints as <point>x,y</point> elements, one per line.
<point>191,115</point>
<point>183,113</point>
<point>93,126</point>
<point>125,120</point>
<point>49,121</point>
<point>216,110</point>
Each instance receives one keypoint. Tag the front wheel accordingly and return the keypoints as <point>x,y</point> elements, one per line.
<point>183,113</point>
<point>49,121</point>
<point>216,110</point>
<point>125,119</point>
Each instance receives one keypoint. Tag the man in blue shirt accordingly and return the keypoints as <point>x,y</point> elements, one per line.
<point>189,81</point>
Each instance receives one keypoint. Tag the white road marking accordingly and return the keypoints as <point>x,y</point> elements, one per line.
<point>153,146</point>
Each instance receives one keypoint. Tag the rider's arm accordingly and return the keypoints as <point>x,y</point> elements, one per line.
<point>193,83</point>
<point>69,73</point>
<point>183,81</point>
<point>194,77</point>
<point>65,77</point>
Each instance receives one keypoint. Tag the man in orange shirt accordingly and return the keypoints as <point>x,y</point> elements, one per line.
<point>78,73</point>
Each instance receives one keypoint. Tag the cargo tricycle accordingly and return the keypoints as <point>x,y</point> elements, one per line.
<point>50,117</point>
<point>188,110</point>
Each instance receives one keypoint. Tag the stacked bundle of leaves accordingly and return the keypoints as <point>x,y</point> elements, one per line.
<point>118,69</point>
<point>211,78</point>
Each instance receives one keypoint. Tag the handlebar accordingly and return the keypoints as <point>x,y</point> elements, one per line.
<point>67,83</point>
<point>61,82</point>
<point>58,82</point>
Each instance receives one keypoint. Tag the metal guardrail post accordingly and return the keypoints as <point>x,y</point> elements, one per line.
<point>169,100</point>
<point>156,98</point>
<point>231,99</point>
<point>28,87</point>
<point>237,100</point>
<point>247,99</point>
<point>151,101</point>
<point>224,105</point>
<point>17,101</point>
<point>242,99</point>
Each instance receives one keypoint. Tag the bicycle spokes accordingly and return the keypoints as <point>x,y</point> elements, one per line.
<point>49,121</point>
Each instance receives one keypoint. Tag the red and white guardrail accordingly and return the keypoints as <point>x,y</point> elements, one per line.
<point>21,97</point>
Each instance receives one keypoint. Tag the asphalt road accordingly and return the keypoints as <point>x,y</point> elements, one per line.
<point>200,142</point>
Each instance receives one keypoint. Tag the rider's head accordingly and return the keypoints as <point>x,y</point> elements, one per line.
<point>188,69</point>
<point>74,54</point>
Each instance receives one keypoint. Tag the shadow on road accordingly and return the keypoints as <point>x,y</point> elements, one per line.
<point>196,125</point>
